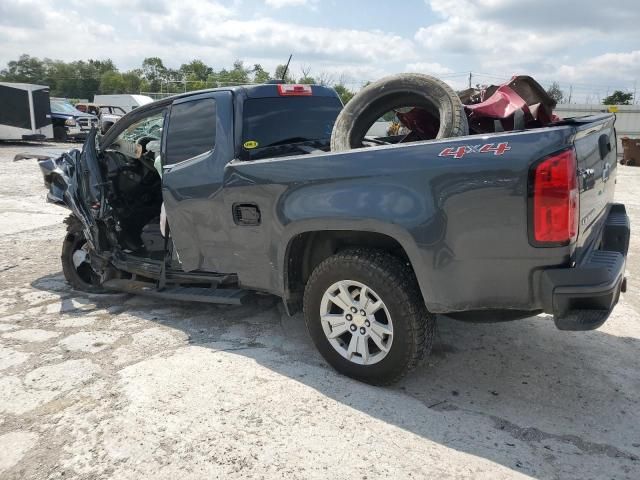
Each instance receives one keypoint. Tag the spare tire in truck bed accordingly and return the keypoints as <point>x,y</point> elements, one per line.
<point>393,92</point>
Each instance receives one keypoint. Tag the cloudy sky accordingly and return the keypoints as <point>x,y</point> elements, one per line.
<point>593,46</point>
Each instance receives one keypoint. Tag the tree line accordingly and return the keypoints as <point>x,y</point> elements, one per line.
<point>618,97</point>
<point>84,78</point>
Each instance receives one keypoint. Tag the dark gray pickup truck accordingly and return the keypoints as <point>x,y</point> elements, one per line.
<point>371,243</point>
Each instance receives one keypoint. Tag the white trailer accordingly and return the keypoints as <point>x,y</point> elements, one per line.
<point>25,112</point>
<point>125,101</point>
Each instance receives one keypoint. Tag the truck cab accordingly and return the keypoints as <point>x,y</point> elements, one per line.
<point>175,156</point>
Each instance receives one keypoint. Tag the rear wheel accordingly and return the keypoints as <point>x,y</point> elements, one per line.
<point>365,314</point>
<point>76,260</point>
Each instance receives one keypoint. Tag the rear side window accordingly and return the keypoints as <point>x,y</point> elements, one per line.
<point>192,130</point>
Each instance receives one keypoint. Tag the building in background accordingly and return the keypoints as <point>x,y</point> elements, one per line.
<point>627,117</point>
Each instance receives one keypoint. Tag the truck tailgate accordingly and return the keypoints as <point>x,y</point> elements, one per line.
<point>595,145</point>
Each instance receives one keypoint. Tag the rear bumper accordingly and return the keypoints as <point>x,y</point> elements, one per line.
<point>582,297</point>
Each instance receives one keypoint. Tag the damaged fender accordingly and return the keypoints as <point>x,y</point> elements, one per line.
<point>74,182</point>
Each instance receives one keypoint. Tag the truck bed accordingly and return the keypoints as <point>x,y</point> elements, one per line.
<point>463,222</point>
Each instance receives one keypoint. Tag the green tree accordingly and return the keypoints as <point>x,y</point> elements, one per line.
<point>88,75</point>
<point>61,79</point>
<point>132,81</point>
<point>196,70</point>
<point>306,77</point>
<point>84,78</point>
<point>618,98</point>
<point>260,75</point>
<point>26,69</point>
<point>238,75</point>
<point>279,74</point>
<point>193,82</point>
<point>344,92</point>
<point>154,72</point>
<point>555,92</point>
<point>144,86</point>
<point>324,78</point>
<point>112,82</point>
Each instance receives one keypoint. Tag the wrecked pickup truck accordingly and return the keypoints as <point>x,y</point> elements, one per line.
<point>225,194</point>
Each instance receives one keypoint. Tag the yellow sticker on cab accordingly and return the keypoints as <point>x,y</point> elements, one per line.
<point>249,144</point>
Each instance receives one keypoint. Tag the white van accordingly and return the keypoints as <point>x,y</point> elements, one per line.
<point>25,112</point>
<point>125,101</point>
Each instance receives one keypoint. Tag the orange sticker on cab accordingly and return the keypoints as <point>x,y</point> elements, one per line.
<point>250,144</point>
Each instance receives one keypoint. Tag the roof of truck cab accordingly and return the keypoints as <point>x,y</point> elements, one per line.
<point>264,90</point>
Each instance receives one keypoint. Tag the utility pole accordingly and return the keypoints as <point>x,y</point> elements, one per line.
<point>570,93</point>
<point>470,78</point>
<point>634,92</point>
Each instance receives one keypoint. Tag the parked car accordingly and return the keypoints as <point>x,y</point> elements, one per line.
<point>24,112</point>
<point>371,243</point>
<point>125,101</point>
<point>107,114</point>
<point>70,123</point>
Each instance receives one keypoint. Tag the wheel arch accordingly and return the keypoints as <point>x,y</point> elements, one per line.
<point>308,247</point>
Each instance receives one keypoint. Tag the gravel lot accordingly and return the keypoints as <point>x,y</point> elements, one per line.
<point>125,387</point>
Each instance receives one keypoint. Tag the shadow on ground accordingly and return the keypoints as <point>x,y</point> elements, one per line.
<point>485,390</point>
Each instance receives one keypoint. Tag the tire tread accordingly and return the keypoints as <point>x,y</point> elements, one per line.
<point>420,323</point>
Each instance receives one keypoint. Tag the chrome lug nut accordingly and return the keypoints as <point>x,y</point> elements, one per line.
<point>367,323</point>
<point>354,310</point>
<point>349,317</point>
<point>362,330</point>
<point>363,313</point>
<point>353,327</point>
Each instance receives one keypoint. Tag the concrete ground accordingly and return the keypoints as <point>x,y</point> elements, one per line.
<point>126,387</point>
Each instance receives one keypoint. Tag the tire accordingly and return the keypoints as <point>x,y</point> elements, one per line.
<point>411,324</point>
<point>60,134</point>
<point>83,277</point>
<point>405,89</point>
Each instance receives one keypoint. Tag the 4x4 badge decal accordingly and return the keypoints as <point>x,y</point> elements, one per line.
<point>459,152</point>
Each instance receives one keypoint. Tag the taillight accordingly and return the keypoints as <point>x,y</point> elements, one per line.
<point>555,199</point>
<point>285,90</point>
